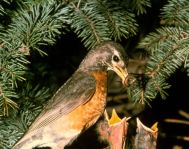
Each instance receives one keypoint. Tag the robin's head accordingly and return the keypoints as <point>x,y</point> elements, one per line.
<point>146,137</point>
<point>107,56</point>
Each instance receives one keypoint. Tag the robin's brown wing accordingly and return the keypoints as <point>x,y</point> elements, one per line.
<point>76,91</point>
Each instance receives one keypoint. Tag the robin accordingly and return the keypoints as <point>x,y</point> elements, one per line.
<point>79,103</point>
<point>146,138</point>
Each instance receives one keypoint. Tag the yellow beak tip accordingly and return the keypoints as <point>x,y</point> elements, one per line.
<point>125,81</point>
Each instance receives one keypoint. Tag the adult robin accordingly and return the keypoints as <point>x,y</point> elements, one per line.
<point>79,102</point>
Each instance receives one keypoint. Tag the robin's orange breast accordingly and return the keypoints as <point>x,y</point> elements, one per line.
<point>86,115</point>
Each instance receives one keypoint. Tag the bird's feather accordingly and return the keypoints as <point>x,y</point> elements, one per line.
<point>67,98</point>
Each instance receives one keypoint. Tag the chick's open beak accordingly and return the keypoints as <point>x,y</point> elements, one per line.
<point>122,73</point>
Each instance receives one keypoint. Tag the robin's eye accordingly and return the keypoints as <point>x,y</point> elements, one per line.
<point>116,58</point>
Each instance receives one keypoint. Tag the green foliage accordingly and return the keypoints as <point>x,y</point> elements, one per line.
<point>121,22</point>
<point>140,6</point>
<point>12,70</point>
<point>36,24</point>
<point>168,49</point>
<point>97,21</point>
<point>31,99</point>
<point>87,23</point>
<point>2,10</point>
<point>176,13</point>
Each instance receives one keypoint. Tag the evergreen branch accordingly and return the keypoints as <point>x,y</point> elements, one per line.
<point>166,45</point>
<point>136,94</point>
<point>6,104</point>
<point>136,90</point>
<point>169,56</point>
<point>5,101</point>
<point>7,92</point>
<point>7,1</point>
<point>158,62</point>
<point>36,24</point>
<point>14,126</point>
<point>176,13</point>
<point>147,89</point>
<point>12,69</point>
<point>88,24</point>
<point>121,23</point>
<point>155,86</point>
<point>125,26</point>
<point>159,68</point>
<point>11,129</point>
<point>169,49</point>
<point>154,39</point>
<point>139,6</point>
<point>12,66</point>
<point>2,10</point>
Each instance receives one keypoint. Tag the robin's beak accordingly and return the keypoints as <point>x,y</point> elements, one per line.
<point>122,73</point>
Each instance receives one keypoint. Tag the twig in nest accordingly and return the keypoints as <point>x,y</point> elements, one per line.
<point>184,114</point>
<point>169,120</point>
<point>185,138</point>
